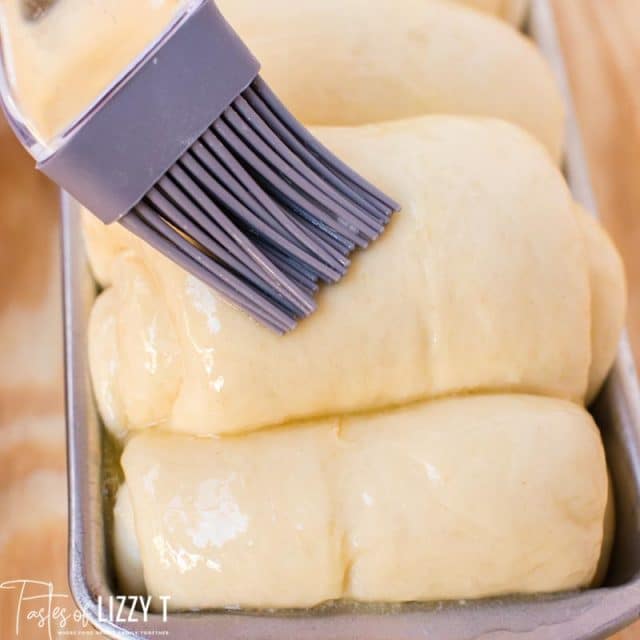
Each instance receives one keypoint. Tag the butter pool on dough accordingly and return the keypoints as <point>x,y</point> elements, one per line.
<point>457,498</point>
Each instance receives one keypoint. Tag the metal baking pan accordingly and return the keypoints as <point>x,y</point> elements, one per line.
<point>581,615</point>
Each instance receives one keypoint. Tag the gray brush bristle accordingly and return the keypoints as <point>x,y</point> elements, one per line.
<point>258,209</point>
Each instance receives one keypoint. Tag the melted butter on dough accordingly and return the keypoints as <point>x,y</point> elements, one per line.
<point>132,339</point>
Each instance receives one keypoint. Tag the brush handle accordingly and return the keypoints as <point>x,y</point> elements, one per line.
<point>140,128</point>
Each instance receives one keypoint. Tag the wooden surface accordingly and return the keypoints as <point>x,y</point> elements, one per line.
<point>32,456</point>
<point>602,43</point>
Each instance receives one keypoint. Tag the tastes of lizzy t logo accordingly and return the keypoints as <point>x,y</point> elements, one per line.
<point>37,603</point>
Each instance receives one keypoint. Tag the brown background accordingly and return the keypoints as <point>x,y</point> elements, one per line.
<point>601,39</point>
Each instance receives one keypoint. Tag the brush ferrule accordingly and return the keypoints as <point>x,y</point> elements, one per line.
<point>140,127</point>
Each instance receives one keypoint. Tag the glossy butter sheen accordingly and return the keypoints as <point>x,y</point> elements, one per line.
<point>458,498</point>
<point>608,299</point>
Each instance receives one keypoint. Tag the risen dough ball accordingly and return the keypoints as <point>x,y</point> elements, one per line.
<point>608,299</point>
<point>480,283</point>
<point>458,498</point>
<point>346,62</point>
<point>133,343</point>
<point>104,243</point>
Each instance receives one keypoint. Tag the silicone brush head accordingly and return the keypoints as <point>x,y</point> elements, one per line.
<point>261,211</point>
<point>192,152</point>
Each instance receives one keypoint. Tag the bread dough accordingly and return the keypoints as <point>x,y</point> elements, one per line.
<point>608,299</point>
<point>349,62</point>
<point>606,277</point>
<point>479,283</point>
<point>251,542</point>
<point>513,11</point>
<point>422,503</point>
<point>132,338</point>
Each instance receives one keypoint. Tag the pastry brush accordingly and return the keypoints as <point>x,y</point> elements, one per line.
<point>191,151</point>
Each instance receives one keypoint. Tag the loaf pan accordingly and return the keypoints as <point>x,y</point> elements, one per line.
<point>581,615</point>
